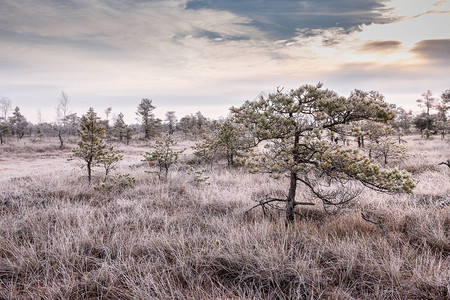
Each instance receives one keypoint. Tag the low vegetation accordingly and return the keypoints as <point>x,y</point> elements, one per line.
<point>177,239</point>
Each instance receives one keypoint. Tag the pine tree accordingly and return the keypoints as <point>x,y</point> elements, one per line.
<point>295,124</point>
<point>164,155</point>
<point>145,109</point>
<point>18,123</point>
<point>120,127</point>
<point>91,147</point>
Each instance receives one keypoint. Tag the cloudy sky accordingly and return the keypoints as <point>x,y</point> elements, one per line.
<point>190,55</point>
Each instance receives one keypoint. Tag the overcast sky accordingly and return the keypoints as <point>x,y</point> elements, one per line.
<point>208,55</point>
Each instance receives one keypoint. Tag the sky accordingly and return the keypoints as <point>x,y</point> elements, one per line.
<point>208,55</point>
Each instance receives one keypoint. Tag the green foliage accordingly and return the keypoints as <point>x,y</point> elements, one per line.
<point>164,155</point>
<point>308,108</point>
<point>296,125</point>
<point>329,162</point>
<point>198,176</point>
<point>116,183</point>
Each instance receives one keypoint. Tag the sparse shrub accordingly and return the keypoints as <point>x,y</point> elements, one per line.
<point>426,134</point>
<point>386,148</point>
<point>116,183</point>
<point>164,155</point>
<point>109,160</point>
<point>4,130</point>
<point>207,151</point>
<point>198,176</point>
<point>230,140</point>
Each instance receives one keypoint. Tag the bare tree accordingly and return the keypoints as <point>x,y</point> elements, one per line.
<point>63,106</point>
<point>107,113</point>
<point>62,111</point>
<point>5,107</point>
<point>39,116</point>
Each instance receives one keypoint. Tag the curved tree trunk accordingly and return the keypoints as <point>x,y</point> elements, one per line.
<point>61,141</point>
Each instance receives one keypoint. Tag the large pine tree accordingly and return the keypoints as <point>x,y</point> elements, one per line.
<point>294,125</point>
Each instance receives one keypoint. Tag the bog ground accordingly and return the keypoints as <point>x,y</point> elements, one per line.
<point>182,239</point>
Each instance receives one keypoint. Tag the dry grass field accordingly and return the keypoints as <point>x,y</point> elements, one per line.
<point>61,239</point>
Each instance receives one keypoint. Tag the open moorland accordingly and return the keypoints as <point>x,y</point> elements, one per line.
<point>193,239</point>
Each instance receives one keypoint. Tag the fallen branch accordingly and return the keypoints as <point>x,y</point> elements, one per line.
<point>447,163</point>
<point>269,203</point>
<point>262,203</point>
<point>374,222</point>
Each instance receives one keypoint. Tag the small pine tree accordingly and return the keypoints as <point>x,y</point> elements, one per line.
<point>109,160</point>
<point>164,155</point>
<point>91,147</point>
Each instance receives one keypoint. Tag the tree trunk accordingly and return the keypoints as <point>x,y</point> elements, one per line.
<point>290,204</point>
<point>61,141</point>
<point>230,159</point>
<point>89,171</point>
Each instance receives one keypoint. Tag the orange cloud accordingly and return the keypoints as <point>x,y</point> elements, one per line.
<point>380,46</point>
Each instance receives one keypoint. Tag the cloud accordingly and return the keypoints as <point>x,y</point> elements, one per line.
<point>282,19</point>
<point>380,46</point>
<point>437,51</point>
